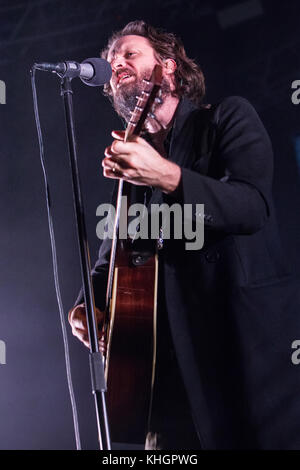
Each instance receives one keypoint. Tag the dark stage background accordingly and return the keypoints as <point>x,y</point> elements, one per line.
<point>248,48</point>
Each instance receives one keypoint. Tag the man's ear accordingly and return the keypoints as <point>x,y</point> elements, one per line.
<point>170,66</point>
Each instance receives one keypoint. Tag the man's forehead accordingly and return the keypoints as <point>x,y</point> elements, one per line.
<point>127,41</point>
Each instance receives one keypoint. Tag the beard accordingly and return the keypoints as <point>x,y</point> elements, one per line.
<point>126,96</point>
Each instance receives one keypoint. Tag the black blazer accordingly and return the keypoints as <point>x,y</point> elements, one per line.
<point>233,306</point>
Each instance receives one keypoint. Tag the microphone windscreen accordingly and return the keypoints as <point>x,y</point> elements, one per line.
<point>102,70</point>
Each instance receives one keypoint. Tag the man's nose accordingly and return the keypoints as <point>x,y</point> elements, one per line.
<point>118,62</point>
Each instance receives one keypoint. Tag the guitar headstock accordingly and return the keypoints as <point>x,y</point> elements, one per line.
<point>146,103</point>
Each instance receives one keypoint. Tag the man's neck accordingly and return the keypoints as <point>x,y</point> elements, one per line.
<point>164,115</point>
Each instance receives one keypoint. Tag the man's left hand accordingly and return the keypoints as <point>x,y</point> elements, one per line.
<point>139,163</point>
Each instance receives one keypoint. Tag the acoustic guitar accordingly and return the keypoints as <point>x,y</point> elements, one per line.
<point>130,314</point>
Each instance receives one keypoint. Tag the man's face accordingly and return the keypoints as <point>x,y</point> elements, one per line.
<point>132,59</point>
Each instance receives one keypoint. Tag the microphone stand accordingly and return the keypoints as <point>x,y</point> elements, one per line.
<point>95,356</point>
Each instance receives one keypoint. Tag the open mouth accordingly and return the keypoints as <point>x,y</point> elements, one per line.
<point>124,78</point>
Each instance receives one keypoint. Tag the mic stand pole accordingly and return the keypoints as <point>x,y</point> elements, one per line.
<point>95,356</point>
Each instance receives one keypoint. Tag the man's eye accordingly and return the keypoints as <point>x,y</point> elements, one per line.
<point>129,54</point>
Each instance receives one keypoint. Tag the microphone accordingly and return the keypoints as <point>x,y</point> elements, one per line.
<point>92,72</point>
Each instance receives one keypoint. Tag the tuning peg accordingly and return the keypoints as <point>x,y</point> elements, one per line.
<point>152,116</point>
<point>142,95</point>
<point>158,100</point>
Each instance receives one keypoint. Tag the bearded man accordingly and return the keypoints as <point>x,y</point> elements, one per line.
<point>227,314</point>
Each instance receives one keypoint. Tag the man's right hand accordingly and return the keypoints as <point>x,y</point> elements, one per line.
<point>77,320</point>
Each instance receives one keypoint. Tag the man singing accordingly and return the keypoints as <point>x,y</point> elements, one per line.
<point>227,313</point>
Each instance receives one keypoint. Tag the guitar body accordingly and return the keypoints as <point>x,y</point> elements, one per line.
<point>130,364</point>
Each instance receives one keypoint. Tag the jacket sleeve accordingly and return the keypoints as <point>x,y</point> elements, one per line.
<point>238,202</point>
<point>99,276</point>
<point>100,269</point>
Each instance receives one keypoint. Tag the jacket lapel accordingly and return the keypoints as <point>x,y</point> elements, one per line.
<point>181,140</point>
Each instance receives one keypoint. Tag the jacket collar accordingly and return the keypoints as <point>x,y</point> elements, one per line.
<point>181,138</point>
<point>184,109</point>
<point>179,148</point>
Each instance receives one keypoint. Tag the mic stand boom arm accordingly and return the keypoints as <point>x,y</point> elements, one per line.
<point>95,356</point>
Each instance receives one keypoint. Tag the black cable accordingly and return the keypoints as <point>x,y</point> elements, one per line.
<point>55,264</point>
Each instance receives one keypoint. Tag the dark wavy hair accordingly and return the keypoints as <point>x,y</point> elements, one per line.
<point>189,79</point>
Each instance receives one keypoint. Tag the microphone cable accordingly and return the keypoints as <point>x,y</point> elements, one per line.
<point>54,263</point>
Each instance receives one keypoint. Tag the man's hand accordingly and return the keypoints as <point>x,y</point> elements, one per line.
<point>139,163</point>
<point>77,320</point>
